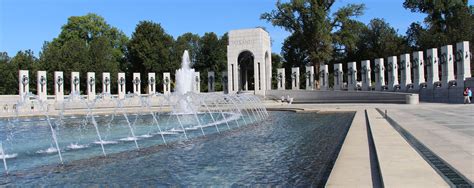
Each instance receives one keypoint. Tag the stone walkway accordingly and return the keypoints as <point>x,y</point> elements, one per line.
<point>446,129</point>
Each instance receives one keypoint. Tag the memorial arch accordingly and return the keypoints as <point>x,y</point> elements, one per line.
<point>249,61</point>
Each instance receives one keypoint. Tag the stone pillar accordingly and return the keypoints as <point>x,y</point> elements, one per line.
<point>59,85</point>
<point>281,79</point>
<point>338,76</point>
<point>106,82</point>
<point>379,71</point>
<point>211,81</point>
<point>309,75</point>
<point>224,83</point>
<point>405,73</point>
<point>447,66</point>
<point>137,84</point>
<point>151,83</point>
<point>432,72</point>
<point>352,76</point>
<point>365,75</point>
<point>41,86</point>
<point>23,84</point>
<point>197,82</point>
<point>392,73</point>
<point>121,85</point>
<point>91,85</point>
<point>463,62</point>
<point>418,70</point>
<point>295,78</point>
<point>166,83</point>
<point>323,77</point>
<point>75,86</point>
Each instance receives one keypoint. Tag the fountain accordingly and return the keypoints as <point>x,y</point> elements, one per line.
<point>79,127</point>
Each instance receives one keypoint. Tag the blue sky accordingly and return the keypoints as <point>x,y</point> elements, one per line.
<point>26,24</point>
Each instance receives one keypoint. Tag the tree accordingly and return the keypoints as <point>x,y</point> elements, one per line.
<point>187,41</point>
<point>447,22</point>
<point>151,49</point>
<point>23,60</point>
<point>309,21</point>
<point>212,56</point>
<point>85,44</point>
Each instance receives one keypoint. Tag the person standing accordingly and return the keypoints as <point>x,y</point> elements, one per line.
<point>469,94</point>
<point>466,95</point>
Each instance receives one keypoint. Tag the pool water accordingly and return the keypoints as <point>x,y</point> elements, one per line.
<point>288,149</point>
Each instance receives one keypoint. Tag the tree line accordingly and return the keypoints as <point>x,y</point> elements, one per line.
<point>89,44</point>
<point>319,35</point>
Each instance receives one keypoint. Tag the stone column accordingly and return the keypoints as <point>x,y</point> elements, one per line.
<point>392,73</point>
<point>121,85</point>
<point>338,76</point>
<point>323,77</point>
<point>447,65</point>
<point>197,82</point>
<point>106,82</point>
<point>463,62</point>
<point>75,86</point>
<point>41,85</point>
<point>418,70</point>
<point>59,85</point>
<point>23,84</point>
<point>365,74</point>
<point>405,73</point>
<point>379,71</point>
<point>280,79</point>
<point>91,86</point>
<point>166,83</point>
<point>151,83</point>
<point>225,82</point>
<point>211,79</point>
<point>432,72</point>
<point>295,78</point>
<point>352,76</point>
<point>137,83</point>
<point>309,75</point>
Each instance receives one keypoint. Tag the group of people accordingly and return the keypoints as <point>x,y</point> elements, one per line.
<point>467,95</point>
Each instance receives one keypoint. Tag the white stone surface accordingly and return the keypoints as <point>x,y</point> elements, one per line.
<point>432,64</point>
<point>447,65</point>
<point>42,85</point>
<point>257,41</point>
<point>151,83</point>
<point>166,83</point>
<point>338,76</point>
<point>309,75</point>
<point>106,84</point>
<point>324,77</point>
<point>59,85</point>
<point>418,70</point>
<point>75,85</point>
<point>405,73</point>
<point>137,83</point>
<point>463,62</point>
<point>211,81</point>
<point>281,79</point>
<point>392,73</point>
<point>23,83</point>
<point>295,78</point>
<point>197,82</point>
<point>379,70</point>
<point>224,81</point>
<point>121,85</point>
<point>352,76</point>
<point>91,85</point>
<point>365,75</point>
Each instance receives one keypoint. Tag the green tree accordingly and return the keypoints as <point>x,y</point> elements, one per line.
<point>23,60</point>
<point>151,50</point>
<point>447,22</point>
<point>86,44</point>
<point>310,22</point>
<point>212,56</point>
